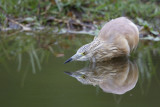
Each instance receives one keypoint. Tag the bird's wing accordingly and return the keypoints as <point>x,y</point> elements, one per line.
<point>120,28</point>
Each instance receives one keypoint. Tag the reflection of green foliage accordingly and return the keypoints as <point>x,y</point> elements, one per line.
<point>37,46</point>
<point>146,62</point>
<point>15,46</point>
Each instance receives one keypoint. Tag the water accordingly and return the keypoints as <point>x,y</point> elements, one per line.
<point>119,83</point>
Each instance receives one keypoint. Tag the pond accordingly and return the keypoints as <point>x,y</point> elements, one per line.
<point>32,74</point>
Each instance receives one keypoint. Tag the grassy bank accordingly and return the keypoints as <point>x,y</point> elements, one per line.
<point>76,13</point>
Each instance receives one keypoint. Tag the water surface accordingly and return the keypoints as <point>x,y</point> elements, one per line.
<point>32,74</point>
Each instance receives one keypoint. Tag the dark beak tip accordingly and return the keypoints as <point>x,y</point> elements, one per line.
<point>68,73</point>
<point>69,60</point>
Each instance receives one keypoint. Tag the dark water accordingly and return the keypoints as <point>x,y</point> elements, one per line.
<point>119,83</point>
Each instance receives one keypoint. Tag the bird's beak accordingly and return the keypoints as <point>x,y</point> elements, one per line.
<point>74,57</point>
<point>68,60</point>
<point>68,73</point>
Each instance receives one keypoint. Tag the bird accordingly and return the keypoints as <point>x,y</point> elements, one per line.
<point>117,76</point>
<point>118,37</point>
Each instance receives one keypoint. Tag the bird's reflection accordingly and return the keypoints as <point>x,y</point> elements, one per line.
<point>116,76</point>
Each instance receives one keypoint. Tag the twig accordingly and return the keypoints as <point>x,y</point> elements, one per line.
<point>75,22</point>
<point>25,28</point>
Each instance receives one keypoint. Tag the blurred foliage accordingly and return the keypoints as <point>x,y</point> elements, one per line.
<point>147,54</point>
<point>37,46</point>
<point>60,12</point>
<point>108,8</point>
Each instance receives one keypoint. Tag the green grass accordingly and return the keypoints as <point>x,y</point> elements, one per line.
<point>92,10</point>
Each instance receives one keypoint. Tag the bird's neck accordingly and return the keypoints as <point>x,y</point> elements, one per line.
<point>102,51</point>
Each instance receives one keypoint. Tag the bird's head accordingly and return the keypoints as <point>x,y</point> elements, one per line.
<point>82,54</point>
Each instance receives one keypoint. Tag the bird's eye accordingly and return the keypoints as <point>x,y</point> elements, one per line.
<point>84,53</point>
<point>83,76</point>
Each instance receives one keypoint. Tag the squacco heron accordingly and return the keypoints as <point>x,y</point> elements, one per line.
<point>118,37</point>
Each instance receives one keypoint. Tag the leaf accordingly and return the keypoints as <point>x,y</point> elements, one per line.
<point>32,62</point>
<point>149,37</point>
<point>154,32</point>
<point>36,58</point>
<point>19,61</point>
<point>29,19</point>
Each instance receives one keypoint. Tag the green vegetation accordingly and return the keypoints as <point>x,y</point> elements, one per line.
<point>37,46</point>
<point>73,13</point>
